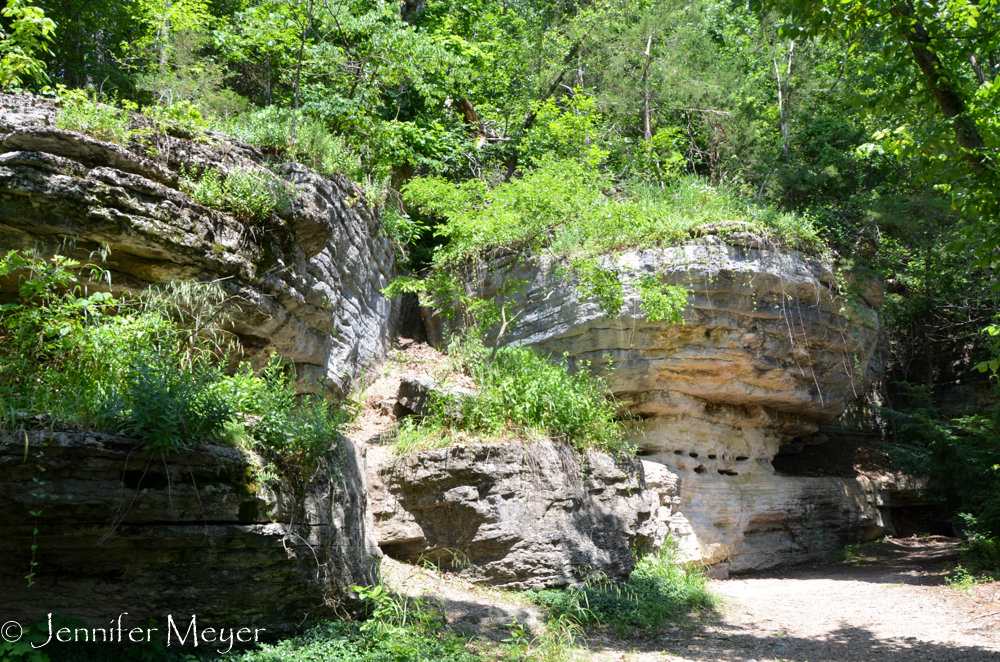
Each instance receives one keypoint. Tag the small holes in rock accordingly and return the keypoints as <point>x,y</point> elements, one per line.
<point>742,458</point>
<point>712,456</point>
<point>727,472</point>
<point>693,454</point>
<point>678,452</point>
<point>700,469</point>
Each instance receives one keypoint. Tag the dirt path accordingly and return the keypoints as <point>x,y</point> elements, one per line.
<point>889,603</point>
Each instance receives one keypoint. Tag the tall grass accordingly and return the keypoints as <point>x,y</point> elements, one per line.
<point>313,144</point>
<point>157,366</point>
<point>572,211</point>
<point>659,590</point>
<point>250,195</point>
<point>519,395</point>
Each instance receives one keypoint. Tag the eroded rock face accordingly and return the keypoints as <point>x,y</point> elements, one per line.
<point>309,287</point>
<point>524,516</point>
<point>120,532</point>
<point>767,353</point>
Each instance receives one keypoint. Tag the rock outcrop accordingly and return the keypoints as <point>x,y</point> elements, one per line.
<point>515,515</point>
<point>195,534</point>
<point>768,351</point>
<point>309,287</point>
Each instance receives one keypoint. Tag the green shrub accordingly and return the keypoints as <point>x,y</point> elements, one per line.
<point>659,590</point>
<point>960,458</point>
<point>82,113</point>
<point>314,145</point>
<point>153,366</point>
<point>521,395</point>
<point>981,552</point>
<point>251,196</point>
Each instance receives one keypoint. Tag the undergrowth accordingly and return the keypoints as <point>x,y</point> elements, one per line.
<point>960,458</point>
<point>251,196</point>
<point>519,395</point>
<point>659,590</point>
<point>158,366</point>
<point>313,144</point>
<point>573,211</point>
<point>565,210</point>
<point>98,117</point>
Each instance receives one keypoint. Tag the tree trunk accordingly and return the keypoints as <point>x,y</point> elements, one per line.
<point>948,98</point>
<point>298,69</point>
<point>647,131</point>
<point>783,98</point>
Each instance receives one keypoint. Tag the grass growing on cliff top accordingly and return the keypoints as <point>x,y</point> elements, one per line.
<point>156,366</point>
<point>568,209</point>
<point>519,395</point>
<point>251,196</point>
<point>565,209</point>
<point>314,145</point>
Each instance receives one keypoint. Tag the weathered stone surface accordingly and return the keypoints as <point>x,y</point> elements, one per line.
<point>767,353</point>
<point>523,516</point>
<point>310,286</point>
<point>415,393</point>
<point>737,526</point>
<point>122,532</point>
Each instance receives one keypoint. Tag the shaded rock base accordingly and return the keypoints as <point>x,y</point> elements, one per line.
<point>122,532</point>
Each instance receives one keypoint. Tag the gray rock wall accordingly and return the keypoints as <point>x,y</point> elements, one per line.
<point>122,532</point>
<point>522,515</point>
<point>310,285</point>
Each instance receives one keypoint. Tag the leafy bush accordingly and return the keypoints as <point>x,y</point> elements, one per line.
<point>314,145</point>
<point>24,36</point>
<point>337,641</point>
<point>520,394</point>
<point>982,552</point>
<point>153,366</point>
<point>84,114</point>
<point>250,195</point>
<point>960,458</point>
<point>659,590</point>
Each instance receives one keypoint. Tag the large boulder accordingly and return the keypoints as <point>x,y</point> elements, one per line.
<point>521,516</point>
<point>120,531</point>
<point>308,286</point>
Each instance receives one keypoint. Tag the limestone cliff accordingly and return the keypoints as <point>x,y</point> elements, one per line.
<point>309,287</point>
<point>769,349</point>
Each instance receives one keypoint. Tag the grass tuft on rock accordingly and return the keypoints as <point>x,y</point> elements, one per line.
<point>520,395</point>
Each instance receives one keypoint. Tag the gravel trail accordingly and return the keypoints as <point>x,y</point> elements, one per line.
<point>888,604</point>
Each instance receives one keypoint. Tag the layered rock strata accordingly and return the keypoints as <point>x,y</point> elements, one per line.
<point>515,515</point>
<point>308,285</point>
<point>768,350</point>
<point>119,531</point>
